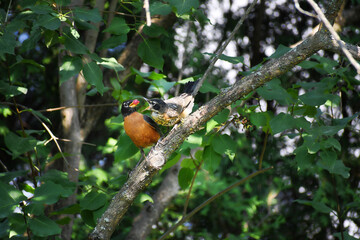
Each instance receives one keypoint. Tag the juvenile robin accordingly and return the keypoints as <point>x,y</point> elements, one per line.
<point>171,111</point>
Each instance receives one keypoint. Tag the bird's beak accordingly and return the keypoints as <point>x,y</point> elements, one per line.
<point>134,103</point>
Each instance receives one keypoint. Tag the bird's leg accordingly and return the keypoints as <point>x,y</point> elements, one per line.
<point>141,158</point>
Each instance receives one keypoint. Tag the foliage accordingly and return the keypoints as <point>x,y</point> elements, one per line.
<point>306,127</point>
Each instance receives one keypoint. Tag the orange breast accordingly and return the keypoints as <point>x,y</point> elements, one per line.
<point>140,132</point>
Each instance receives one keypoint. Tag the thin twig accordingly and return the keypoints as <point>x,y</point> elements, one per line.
<point>223,47</point>
<point>4,166</point>
<point>78,106</point>
<point>7,12</point>
<point>335,35</point>
<point>297,6</point>
<point>190,188</point>
<point>147,13</point>
<point>263,149</point>
<point>53,137</point>
<point>32,168</point>
<point>211,199</point>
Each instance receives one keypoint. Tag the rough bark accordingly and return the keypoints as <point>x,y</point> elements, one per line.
<point>71,131</point>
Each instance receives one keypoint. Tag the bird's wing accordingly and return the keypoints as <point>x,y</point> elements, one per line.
<point>152,123</point>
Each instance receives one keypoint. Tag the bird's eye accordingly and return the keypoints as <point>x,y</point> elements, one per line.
<point>156,107</point>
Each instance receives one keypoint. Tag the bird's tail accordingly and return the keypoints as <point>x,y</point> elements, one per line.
<point>189,87</point>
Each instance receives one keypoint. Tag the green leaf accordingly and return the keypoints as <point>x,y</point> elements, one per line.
<point>84,14</point>
<point>281,122</point>
<point>274,91</point>
<point>159,76</point>
<point>88,217</point>
<point>8,176</point>
<point>7,43</point>
<point>74,45</point>
<point>211,159</point>
<point>145,197</point>
<point>159,8</point>
<point>41,9</point>
<point>151,53</point>
<point>217,120</point>
<point>70,67</point>
<point>308,64</point>
<point>33,39</point>
<point>193,141</point>
<point>260,119</point>
<point>118,26</point>
<point>346,236</point>
<point>208,87</point>
<point>171,162</point>
<point>11,90</point>
<point>112,63</point>
<point>184,6</point>
<point>43,226</point>
<point>187,163</point>
<point>328,162</point>
<point>47,193</point>
<point>62,180</point>
<point>185,176</point>
<point>154,30</point>
<point>19,145</point>
<point>321,207</point>
<point>48,21</point>
<point>281,50</point>
<point>72,209</point>
<point>94,76</point>
<point>161,86</point>
<point>331,142</point>
<point>97,175</point>
<point>113,42</point>
<point>10,198</point>
<point>51,38</point>
<point>126,148</point>
<point>233,60</point>
<point>35,208</point>
<point>303,159</point>
<point>93,200</point>
<point>224,144</point>
<point>315,98</point>
<point>318,206</point>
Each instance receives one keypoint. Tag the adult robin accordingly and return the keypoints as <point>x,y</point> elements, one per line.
<point>142,130</point>
<point>171,111</point>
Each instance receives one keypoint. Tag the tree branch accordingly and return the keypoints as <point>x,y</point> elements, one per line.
<point>223,47</point>
<point>335,35</point>
<point>142,175</point>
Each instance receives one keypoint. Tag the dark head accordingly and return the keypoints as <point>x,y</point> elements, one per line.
<point>156,105</point>
<point>129,107</point>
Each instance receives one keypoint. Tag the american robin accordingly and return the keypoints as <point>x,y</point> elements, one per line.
<point>171,111</point>
<point>142,130</point>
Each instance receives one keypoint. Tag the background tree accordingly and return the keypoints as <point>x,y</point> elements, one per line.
<point>293,110</point>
